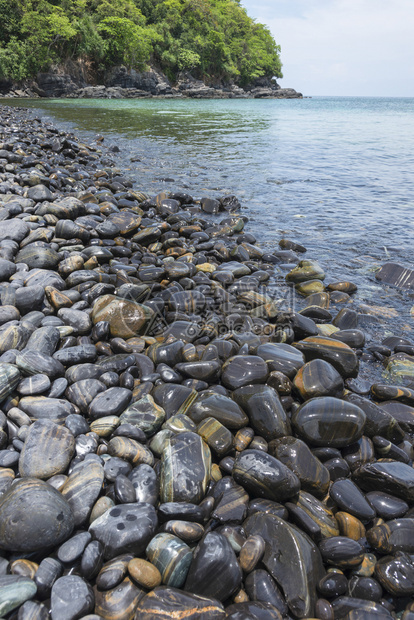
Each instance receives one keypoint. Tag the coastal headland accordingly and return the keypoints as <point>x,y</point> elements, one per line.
<point>176,440</point>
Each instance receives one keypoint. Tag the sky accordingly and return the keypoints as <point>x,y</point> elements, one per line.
<point>342,47</point>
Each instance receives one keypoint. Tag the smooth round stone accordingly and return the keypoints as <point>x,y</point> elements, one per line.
<point>291,558</point>
<point>354,338</point>
<point>214,568</point>
<point>119,603</point>
<point>180,510</point>
<point>33,516</point>
<point>231,501</point>
<point>125,528</point>
<point>216,436</point>
<point>124,490</point>
<point>261,587</point>
<point>243,370</point>
<point>220,407</point>
<point>396,574</point>
<point>251,553</point>
<point>44,339</point>
<point>328,421</point>
<point>113,572</point>
<point>73,548</point>
<point>47,573</point>
<point>31,610</point>
<point>172,557</point>
<point>37,384</point>
<point>13,337</point>
<point>266,414</point>
<point>393,536</point>
<point>81,393</point>
<point>295,454</point>
<point>38,256</point>
<point>387,506</point>
<point>342,551</point>
<point>113,401</point>
<point>145,482</point>
<point>144,573</point>
<point>9,379</point>
<point>337,353</point>
<point>350,499</point>
<point>350,526</point>
<point>332,585</point>
<point>130,450</point>
<point>36,362</point>
<point>76,355</point>
<point>72,597</point>
<point>14,591</point>
<point>159,603</point>
<point>79,320</point>
<point>185,469</point>
<point>282,358</point>
<point>359,609</point>
<point>365,587</point>
<point>389,477</point>
<point>47,451</point>
<point>318,378</point>
<point>82,489</point>
<point>145,414</point>
<point>264,476</point>
<point>187,531</point>
<point>318,513</point>
<point>126,318</point>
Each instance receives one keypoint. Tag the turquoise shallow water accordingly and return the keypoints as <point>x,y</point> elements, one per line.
<point>335,174</point>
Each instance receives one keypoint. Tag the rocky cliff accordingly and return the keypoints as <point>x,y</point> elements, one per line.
<point>76,81</point>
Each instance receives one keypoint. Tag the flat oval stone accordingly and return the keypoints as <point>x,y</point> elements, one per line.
<point>337,353</point>
<point>251,553</point>
<point>282,358</point>
<point>220,407</point>
<point>390,477</point>
<point>73,548</point>
<point>185,469</point>
<point>47,451</point>
<point>37,384</point>
<point>387,506</point>
<point>393,536</point>
<point>214,568</point>
<point>187,531</point>
<point>36,362</point>
<point>242,370</point>
<point>216,436</point>
<point>118,603</point>
<point>82,489</point>
<point>342,551</point>
<point>144,573</point>
<point>291,558</point>
<point>396,575</point>
<point>33,516</point>
<point>295,454</point>
<point>349,498</point>
<point>264,476</point>
<point>125,528</point>
<point>145,414</point>
<point>172,557</point>
<point>9,379</point>
<point>81,393</point>
<point>38,256</point>
<point>266,414</point>
<point>113,572</point>
<point>126,318</point>
<point>72,597</point>
<point>14,591</point>
<point>327,421</point>
<point>113,401</point>
<point>318,378</point>
<point>159,603</point>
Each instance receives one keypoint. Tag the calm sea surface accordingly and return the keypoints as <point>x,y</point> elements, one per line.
<point>336,174</point>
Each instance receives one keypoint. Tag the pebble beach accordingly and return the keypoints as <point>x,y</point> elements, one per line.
<point>177,439</point>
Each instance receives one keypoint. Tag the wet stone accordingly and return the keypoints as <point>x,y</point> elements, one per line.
<point>220,407</point>
<point>341,551</point>
<point>396,574</point>
<point>336,353</point>
<point>14,591</point>
<point>327,421</point>
<point>172,557</point>
<point>282,358</point>
<point>262,588</point>
<point>72,597</point>
<point>144,414</point>
<point>393,536</point>
<point>264,476</point>
<point>387,506</point>
<point>126,318</point>
<point>159,603</point>
<point>47,451</point>
<point>318,378</point>
<point>243,370</point>
<point>119,602</point>
<point>266,414</point>
<point>214,568</point>
<point>349,498</point>
<point>185,469</point>
<point>125,528</point>
<point>33,516</point>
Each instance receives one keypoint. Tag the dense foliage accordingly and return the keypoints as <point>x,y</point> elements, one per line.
<point>214,39</point>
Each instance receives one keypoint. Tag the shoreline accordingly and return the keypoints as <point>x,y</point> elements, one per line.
<point>142,344</point>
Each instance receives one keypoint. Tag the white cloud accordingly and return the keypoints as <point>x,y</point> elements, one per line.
<point>343,47</point>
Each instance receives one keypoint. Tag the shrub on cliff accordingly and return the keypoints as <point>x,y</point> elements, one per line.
<point>215,39</point>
